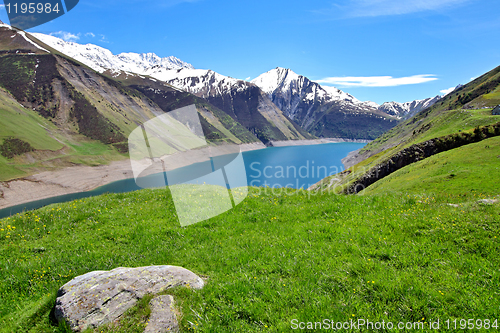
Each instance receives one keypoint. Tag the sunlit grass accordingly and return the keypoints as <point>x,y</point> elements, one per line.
<point>274,258</point>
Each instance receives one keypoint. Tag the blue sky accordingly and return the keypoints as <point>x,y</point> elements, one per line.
<point>378,50</point>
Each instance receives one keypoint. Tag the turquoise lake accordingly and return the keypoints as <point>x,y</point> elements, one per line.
<point>275,167</point>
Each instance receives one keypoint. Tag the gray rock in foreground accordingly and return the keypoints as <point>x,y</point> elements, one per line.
<point>101,297</point>
<point>162,318</point>
<point>488,201</point>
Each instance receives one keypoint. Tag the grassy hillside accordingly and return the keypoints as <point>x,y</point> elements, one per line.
<point>53,147</point>
<point>454,114</point>
<point>272,259</point>
<point>473,168</point>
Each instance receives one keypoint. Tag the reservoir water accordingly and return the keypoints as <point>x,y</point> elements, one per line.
<point>275,167</point>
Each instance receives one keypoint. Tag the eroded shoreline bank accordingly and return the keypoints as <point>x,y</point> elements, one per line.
<point>72,179</point>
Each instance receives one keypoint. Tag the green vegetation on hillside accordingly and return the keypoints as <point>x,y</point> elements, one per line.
<point>52,148</point>
<point>272,259</point>
<point>353,126</point>
<point>473,168</point>
<point>452,117</point>
<point>449,115</point>
<point>13,146</point>
<point>34,130</point>
<point>91,123</point>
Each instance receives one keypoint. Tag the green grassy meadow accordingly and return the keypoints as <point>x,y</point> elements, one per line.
<point>276,257</point>
<point>470,168</point>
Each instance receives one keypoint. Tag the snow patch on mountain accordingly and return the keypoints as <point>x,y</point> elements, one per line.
<point>101,59</point>
<point>304,100</point>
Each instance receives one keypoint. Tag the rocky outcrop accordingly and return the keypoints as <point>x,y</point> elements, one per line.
<point>419,152</point>
<point>162,318</point>
<point>101,297</point>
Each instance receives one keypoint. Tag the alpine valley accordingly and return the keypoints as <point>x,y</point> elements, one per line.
<point>405,238</point>
<point>81,102</point>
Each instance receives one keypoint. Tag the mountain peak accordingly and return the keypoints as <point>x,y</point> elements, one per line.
<point>284,80</point>
<point>277,77</point>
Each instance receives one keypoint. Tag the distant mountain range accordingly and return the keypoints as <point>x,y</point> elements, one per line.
<point>319,110</point>
<point>85,90</point>
<point>408,109</point>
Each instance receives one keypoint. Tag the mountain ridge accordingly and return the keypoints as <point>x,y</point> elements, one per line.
<point>101,59</point>
<point>75,115</point>
<point>267,123</point>
<point>408,109</point>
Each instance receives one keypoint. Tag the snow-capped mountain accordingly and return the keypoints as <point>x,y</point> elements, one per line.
<point>322,110</point>
<point>285,81</point>
<point>243,101</point>
<point>264,106</point>
<point>288,89</point>
<point>408,109</point>
<point>201,82</point>
<point>101,59</point>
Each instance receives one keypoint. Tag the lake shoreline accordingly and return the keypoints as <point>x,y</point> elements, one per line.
<point>81,178</point>
<point>73,179</point>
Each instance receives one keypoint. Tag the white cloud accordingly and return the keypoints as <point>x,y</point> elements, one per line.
<point>67,36</point>
<point>2,6</point>
<point>103,38</point>
<point>377,81</point>
<point>247,79</point>
<point>367,8</point>
<point>447,91</point>
<point>89,34</point>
